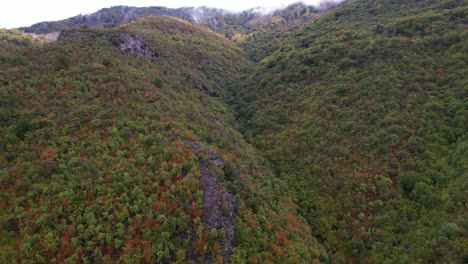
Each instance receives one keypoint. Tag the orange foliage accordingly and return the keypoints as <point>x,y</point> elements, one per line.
<point>269,226</point>
<point>187,152</point>
<point>293,220</point>
<point>49,155</point>
<point>135,224</point>
<point>252,221</point>
<point>129,243</point>
<point>254,259</point>
<point>124,98</point>
<point>251,185</point>
<point>149,94</point>
<point>60,258</point>
<point>198,246</point>
<point>157,205</point>
<point>216,246</point>
<point>64,201</point>
<point>147,252</point>
<point>440,71</point>
<point>170,206</point>
<point>282,237</point>
<point>66,235</point>
<point>268,259</point>
<point>64,247</point>
<point>206,233</point>
<point>108,259</point>
<point>277,251</point>
<point>194,212</point>
<point>42,87</point>
<point>22,92</point>
<point>219,260</point>
<point>177,180</point>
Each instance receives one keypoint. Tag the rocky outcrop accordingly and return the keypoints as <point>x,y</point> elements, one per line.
<point>135,45</point>
<point>220,207</point>
<point>127,43</point>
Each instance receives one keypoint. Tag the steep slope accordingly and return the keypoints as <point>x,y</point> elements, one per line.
<point>115,147</point>
<point>363,113</point>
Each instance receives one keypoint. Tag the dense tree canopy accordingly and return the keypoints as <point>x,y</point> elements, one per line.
<point>364,110</point>
<point>311,135</point>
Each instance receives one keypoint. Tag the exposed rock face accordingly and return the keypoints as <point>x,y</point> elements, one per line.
<point>52,35</point>
<point>220,207</point>
<point>211,155</point>
<point>134,44</point>
<point>194,145</point>
<point>127,43</point>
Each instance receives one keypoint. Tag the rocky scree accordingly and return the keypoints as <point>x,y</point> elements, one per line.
<point>220,207</point>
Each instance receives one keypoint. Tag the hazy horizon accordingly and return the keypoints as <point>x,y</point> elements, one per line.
<point>22,13</point>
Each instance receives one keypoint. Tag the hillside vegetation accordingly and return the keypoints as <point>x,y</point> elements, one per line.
<point>310,135</point>
<point>110,156</point>
<point>363,113</point>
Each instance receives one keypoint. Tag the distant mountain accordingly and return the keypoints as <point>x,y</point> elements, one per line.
<point>218,20</point>
<point>254,29</point>
<point>108,18</point>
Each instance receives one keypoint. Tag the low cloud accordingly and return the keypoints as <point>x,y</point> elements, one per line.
<point>205,13</point>
<point>270,8</point>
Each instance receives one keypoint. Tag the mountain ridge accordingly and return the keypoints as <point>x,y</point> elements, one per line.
<point>118,15</point>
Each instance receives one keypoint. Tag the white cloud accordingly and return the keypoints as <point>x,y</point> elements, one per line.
<point>17,13</point>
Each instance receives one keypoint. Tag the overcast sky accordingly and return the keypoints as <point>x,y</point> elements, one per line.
<point>17,13</point>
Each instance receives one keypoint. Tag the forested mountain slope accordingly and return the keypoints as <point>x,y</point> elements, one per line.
<point>115,147</point>
<point>363,113</point>
<point>332,135</point>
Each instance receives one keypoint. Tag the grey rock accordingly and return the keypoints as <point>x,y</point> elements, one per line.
<point>220,207</point>
<point>127,43</point>
<point>194,145</point>
<point>211,155</point>
<point>135,45</point>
